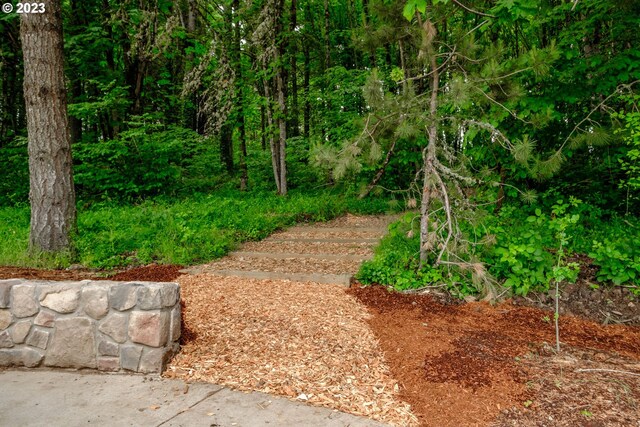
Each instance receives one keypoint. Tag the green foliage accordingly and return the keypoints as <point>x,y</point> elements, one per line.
<point>520,246</point>
<point>631,136</point>
<point>14,174</point>
<point>192,230</point>
<point>143,161</point>
<point>619,260</point>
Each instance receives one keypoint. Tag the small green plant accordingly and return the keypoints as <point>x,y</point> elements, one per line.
<point>562,271</point>
<point>585,413</point>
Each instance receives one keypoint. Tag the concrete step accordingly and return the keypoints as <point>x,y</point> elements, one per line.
<point>308,228</point>
<point>289,255</point>
<point>331,240</point>
<point>362,249</point>
<point>337,279</point>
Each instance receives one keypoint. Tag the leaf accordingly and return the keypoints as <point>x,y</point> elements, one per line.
<point>414,5</point>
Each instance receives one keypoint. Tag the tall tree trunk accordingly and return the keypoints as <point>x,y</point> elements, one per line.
<point>293,49</point>
<point>273,143</point>
<point>282,126</point>
<point>307,76</point>
<point>327,38</point>
<point>52,196</point>
<point>237,53</point>
<point>263,128</point>
<point>429,154</point>
<point>226,145</point>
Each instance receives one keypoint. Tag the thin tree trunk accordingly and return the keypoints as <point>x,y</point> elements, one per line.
<point>275,158</point>
<point>429,154</point>
<point>52,196</point>
<point>282,126</point>
<point>307,77</point>
<point>293,49</point>
<point>263,134</point>
<point>327,38</point>
<point>244,177</point>
<point>226,146</point>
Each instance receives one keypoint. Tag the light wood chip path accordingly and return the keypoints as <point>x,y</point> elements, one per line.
<point>258,320</point>
<point>330,252</point>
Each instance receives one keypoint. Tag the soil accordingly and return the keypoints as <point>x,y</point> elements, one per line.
<point>150,273</point>
<point>476,364</point>
<point>585,298</point>
<point>456,364</point>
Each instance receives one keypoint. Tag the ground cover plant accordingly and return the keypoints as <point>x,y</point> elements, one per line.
<point>187,231</point>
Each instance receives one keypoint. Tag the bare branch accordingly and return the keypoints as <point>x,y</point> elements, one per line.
<point>475,12</point>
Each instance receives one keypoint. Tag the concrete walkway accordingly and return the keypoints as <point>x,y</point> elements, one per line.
<point>63,398</point>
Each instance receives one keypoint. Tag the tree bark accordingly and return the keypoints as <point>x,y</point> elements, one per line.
<point>237,53</point>
<point>429,153</point>
<point>307,76</point>
<point>52,196</point>
<point>293,51</point>
<point>327,38</point>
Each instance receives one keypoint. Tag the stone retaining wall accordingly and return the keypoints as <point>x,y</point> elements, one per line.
<point>110,326</point>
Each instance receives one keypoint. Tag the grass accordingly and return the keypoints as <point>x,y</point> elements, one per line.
<point>188,231</point>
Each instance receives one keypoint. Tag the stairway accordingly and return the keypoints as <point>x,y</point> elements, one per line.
<point>330,252</point>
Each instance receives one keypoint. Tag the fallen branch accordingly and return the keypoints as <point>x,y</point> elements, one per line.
<point>615,371</point>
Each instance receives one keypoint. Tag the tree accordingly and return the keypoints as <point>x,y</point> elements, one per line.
<point>52,196</point>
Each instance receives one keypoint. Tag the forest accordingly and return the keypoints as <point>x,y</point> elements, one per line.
<point>506,134</point>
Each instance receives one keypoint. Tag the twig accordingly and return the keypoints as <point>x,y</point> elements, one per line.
<point>615,371</point>
<point>414,291</point>
<point>468,9</point>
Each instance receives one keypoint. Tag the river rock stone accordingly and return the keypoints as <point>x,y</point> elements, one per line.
<point>5,340</point>
<point>175,331</point>
<point>95,301</point>
<point>149,297</point>
<point>115,326</point>
<point>5,319</point>
<point>24,301</point>
<point>5,291</point>
<point>170,294</point>
<point>45,318</point>
<point>107,348</point>
<point>73,344</point>
<point>149,328</point>
<point>38,339</point>
<point>153,360</point>
<point>123,296</point>
<point>60,299</point>
<point>130,357</point>
<point>28,357</point>
<point>110,364</point>
<point>20,331</point>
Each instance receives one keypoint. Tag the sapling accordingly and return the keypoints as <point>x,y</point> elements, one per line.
<point>562,271</point>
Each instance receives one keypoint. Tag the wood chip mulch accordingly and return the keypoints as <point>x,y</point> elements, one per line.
<point>306,341</point>
<point>286,265</point>
<point>365,249</point>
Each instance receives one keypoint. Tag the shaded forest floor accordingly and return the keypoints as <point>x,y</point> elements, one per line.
<point>467,364</point>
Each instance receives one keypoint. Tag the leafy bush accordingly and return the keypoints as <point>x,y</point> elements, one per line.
<point>139,163</point>
<point>519,246</point>
<point>14,174</point>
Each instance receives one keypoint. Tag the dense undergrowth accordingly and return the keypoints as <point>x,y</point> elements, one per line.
<point>518,247</point>
<point>191,230</point>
